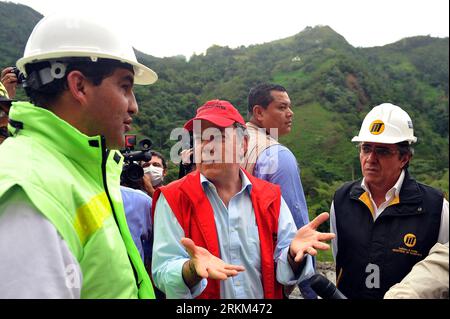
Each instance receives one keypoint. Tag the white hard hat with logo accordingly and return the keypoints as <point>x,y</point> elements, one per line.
<point>386,123</point>
<point>64,36</point>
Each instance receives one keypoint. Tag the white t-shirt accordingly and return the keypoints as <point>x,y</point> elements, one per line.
<point>35,262</point>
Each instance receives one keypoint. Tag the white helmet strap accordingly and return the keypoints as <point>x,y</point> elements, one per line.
<point>44,76</point>
<point>57,70</point>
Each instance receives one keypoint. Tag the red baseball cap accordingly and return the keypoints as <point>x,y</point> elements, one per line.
<point>218,112</point>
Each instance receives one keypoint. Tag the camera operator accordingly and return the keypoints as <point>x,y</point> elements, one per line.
<point>132,171</point>
<point>154,172</point>
<point>10,79</point>
<point>137,203</point>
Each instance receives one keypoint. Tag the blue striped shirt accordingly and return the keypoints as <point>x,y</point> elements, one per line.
<point>285,172</point>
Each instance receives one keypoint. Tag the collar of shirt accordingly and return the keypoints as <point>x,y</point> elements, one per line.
<point>246,184</point>
<point>390,194</point>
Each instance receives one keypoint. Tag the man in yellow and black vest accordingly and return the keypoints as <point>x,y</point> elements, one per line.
<point>386,222</point>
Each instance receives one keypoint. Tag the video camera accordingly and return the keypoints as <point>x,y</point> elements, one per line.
<point>132,172</point>
<point>185,168</point>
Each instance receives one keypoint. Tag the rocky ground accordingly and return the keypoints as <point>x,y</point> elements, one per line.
<point>326,269</point>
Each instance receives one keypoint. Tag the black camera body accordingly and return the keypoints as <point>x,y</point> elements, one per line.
<point>132,172</point>
<point>20,76</point>
<point>185,168</point>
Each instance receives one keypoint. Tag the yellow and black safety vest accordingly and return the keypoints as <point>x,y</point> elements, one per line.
<point>374,255</point>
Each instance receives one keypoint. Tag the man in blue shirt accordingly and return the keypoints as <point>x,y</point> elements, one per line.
<point>271,116</point>
<point>220,232</point>
<point>138,206</point>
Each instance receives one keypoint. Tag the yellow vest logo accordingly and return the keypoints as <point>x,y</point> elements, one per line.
<point>376,127</point>
<point>410,240</point>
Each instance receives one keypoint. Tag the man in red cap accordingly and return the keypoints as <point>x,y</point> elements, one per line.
<point>220,232</point>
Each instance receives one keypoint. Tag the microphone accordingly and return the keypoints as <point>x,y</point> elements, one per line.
<point>325,288</point>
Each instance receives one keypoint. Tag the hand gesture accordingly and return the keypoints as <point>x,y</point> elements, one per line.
<point>308,239</point>
<point>206,265</point>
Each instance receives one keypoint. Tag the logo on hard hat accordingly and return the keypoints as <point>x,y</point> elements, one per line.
<point>377,127</point>
<point>410,240</point>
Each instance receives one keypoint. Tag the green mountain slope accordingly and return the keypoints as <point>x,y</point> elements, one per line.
<point>332,86</point>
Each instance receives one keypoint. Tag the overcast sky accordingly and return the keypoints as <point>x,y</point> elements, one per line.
<point>171,27</point>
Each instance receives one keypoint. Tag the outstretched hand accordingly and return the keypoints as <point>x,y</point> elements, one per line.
<point>307,239</point>
<point>206,265</point>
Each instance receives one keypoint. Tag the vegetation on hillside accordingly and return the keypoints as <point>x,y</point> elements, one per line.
<point>332,86</point>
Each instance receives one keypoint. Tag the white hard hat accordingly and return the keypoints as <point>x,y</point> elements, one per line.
<point>386,123</point>
<point>64,36</point>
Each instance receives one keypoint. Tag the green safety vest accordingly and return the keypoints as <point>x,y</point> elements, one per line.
<point>74,182</point>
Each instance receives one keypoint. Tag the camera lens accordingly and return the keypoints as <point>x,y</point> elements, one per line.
<point>135,172</point>
<point>145,144</point>
<point>20,76</point>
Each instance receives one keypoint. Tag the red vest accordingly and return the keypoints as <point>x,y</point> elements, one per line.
<point>193,211</point>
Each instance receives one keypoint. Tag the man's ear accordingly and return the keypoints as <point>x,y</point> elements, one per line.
<point>244,148</point>
<point>405,160</point>
<point>77,85</point>
<point>258,112</point>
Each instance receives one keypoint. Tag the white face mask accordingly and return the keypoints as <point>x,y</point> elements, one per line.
<point>156,174</point>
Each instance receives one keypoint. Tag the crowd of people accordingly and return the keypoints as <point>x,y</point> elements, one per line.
<point>235,224</point>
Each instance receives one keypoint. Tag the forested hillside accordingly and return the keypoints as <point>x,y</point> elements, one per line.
<point>332,86</point>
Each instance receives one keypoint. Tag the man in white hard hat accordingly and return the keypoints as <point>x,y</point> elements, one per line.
<point>63,232</point>
<point>386,222</point>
